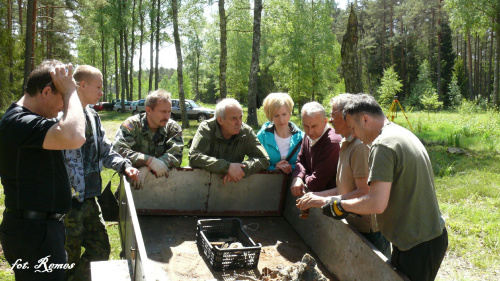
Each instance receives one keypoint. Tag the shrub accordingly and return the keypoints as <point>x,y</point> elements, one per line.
<point>390,86</point>
<point>430,101</point>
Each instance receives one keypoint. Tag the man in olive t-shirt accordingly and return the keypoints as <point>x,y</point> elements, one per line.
<point>352,178</point>
<point>402,191</point>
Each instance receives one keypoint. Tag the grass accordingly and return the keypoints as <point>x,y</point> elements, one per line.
<point>467,186</point>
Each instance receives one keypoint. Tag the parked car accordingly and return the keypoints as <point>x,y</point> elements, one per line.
<point>194,111</point>
<point>98,106</point>
<point>118,106</point>
<point>133,106</point>
<point>140,107</point>
<point>107,106</point>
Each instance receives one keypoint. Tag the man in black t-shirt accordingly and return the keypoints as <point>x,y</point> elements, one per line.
<point>35,181</point>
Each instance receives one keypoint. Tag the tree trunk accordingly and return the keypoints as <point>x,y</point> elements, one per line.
<point>103,60</point>
<point>197,86</point>
<point>11,57</point>
<point>123,73</point>
<point>476,66</point>
<point>223,51</point>
<point>42,21</point>
<point>30,34</point>
<point>349,54</point>
<point>20,6</point>
<point>180,78</point>
<point>403,65</point>
<point>497,64</point>
<point>431,41</point>
<point>439,37</point>
<point>50,46</point>
<point>313,59</point>
<point>117,74</point>
<point>391,26</point>
<point>469,62</point>
<point>383,36</point>
<point>132,50</point>
<point>252,119</point>
<point>125,65</point>
<point>139,79</point>
<point>488,77</point>
<point>480,68</point>
<point>151,44</point>
<point>158,29</point>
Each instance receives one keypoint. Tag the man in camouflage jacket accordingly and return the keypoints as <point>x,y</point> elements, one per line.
<point>221,144</point>
<point>151,141</point>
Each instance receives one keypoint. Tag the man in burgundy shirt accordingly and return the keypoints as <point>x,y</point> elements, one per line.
<point>316,167</point>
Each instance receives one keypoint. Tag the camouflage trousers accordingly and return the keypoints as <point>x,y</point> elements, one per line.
<point>85,228</point>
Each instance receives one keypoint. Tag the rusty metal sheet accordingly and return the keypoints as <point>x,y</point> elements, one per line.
<point>190,191</point>
<point>343,250</point>
<point>257,194</point>
<point>131,236</point>
<point>185,190</point>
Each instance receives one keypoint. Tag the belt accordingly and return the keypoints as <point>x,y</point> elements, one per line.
<point>35,215</point>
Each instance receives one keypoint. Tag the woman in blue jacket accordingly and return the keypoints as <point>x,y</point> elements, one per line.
<point>280,137</point>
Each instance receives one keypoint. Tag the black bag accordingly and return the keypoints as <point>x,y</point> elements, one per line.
<point>109,204</point>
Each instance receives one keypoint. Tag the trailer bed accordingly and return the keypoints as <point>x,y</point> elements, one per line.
<point>158,229</point>
<point>171,245</point>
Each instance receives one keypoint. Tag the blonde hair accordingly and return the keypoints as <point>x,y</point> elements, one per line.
<point>85,73</point>
<point>274,101</point>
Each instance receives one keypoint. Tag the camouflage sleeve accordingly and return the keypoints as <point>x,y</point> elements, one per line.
<point>174,145</point>
<point>125,141</point>
<point>258,159</point>
<point>200,148</point>
<point>110,158</point>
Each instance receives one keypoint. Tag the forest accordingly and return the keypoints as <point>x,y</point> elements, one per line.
<point>431,54</point>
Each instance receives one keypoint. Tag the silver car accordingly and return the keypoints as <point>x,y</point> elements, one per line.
<point>140,107</point>
<point>194,111</point>
<point>118,106</point>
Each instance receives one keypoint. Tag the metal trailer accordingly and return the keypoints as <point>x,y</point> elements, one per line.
<point>157,219</point>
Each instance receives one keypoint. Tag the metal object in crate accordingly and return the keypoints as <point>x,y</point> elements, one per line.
<point>214,234</point>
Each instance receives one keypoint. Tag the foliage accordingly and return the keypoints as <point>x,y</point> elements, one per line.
<point>422,86</point>
<point>448,57</point>
<point>303,52</point>
<point>390,86</point>
<point>11,75</point>
<point>171,85</point>
<point>239,54</point>
<point>462,79</point>
<point>430,101</point>
<point>454,94</point>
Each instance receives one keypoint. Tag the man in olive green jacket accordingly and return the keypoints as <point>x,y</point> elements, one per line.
<point>221,144</point>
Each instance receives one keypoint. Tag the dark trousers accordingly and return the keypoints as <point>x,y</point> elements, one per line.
<point>378,241</point>
<point>421,262</point>
<point>34,247</point>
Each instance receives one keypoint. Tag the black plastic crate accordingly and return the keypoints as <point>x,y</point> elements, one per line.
<point>226,230</point>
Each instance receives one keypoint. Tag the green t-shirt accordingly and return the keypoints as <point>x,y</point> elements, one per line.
<point>412,215</point>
